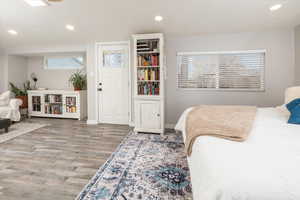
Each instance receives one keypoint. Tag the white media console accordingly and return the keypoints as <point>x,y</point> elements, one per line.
<point>57,103</point>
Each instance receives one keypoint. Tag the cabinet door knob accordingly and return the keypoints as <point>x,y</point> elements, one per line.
<point>158,115</point>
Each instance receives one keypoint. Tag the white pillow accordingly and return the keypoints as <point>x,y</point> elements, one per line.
<point>4,98</point>
<point>291,94</point>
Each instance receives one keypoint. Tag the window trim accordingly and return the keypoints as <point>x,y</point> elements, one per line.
<point>222,89</point>
<point>64,56</point>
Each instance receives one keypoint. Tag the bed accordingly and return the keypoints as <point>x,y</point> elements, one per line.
<point>264,167</point>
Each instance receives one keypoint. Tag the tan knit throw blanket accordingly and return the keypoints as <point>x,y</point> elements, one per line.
<point>227,122</point>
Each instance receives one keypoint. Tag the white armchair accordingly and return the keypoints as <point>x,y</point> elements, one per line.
<point>9,108</point>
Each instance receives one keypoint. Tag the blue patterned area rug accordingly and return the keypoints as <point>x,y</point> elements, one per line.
<point>144,166</point>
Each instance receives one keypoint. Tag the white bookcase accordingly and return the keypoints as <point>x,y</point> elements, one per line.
<point>57,103</point>
<point>149,96</point>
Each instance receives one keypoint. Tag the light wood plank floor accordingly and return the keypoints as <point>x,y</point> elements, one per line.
<point>57,161</point>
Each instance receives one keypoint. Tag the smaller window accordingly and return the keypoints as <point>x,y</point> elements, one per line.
<point>113,59</point>
<point>64,62</point>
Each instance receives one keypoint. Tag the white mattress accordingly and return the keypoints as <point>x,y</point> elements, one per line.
<point>265,167</point>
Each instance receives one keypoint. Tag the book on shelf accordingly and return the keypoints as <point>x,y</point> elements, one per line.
<point>53,109</point>
<point>52,98</point>
<point>71,109</point>
<point>148,74</point>
<point>148,88</point>
<point>148,60</point>
<point>147,45</point>
<point>148,67</point>
<point>71,100</point>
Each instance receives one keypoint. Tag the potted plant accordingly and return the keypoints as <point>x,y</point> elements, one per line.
<point>21,93</point>
<point>78,80</point>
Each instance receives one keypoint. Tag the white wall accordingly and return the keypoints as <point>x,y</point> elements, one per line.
<point>52,79</point>
<point>17,70</point>
<point>279,72</point>
<point>297,55</point>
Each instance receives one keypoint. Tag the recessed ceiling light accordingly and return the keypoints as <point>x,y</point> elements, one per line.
<point>70,27</point>
<point>37,3</point>
<point>12,32</point>
<point>275,7</point>
<point>158,18</point>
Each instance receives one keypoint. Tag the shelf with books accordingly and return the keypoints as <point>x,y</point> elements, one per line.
<point>150,66</point>
<point>148,60</point>
<point>147,52</point>
<point>53,109</point>
<point>148,74</point>
<point>53,104</point>
<point>53,98</point>
<point>57,103</point>
<point>71,109</point>
<point>147,46</point>
<point>149,83</point>
<point>148,88</point>
<point>71,105</point>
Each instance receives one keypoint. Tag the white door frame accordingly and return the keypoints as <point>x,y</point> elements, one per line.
<point>98,44</point>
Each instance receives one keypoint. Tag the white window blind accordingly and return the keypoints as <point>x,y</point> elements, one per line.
<point>243,70</point>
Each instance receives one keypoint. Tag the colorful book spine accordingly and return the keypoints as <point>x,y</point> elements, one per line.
<point>148,60</point>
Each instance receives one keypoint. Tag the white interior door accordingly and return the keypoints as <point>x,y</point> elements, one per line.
<point>113,83</point>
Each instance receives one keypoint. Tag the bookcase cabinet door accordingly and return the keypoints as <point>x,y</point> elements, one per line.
<point>71,106</point>
<point>147,116</point>
<point>36,103</point>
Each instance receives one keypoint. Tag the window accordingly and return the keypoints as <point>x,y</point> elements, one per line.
<point>113,58</point>
<point>64,62</point>
<point>242,70</point>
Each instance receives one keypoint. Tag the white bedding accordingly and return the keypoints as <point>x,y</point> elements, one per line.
<point>265,167</point>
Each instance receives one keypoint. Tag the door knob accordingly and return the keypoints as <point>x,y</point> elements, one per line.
<point>100,83</point>
<point>99,89</point>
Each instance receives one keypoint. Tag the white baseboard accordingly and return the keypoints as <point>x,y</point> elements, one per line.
<point>91,122</point>
<point>94,122</point>
<point>170,126</point>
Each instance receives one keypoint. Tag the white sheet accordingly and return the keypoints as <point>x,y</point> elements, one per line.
<point>265,167</point>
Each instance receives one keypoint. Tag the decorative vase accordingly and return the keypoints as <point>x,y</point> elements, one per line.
<point>24,100</point>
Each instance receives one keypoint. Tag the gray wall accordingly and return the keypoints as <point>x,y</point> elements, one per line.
<point>279,72</point>
<point>2,73</point>
<point>297,55</point>
<point>91,83</point>
<point>17,70</point>
<point>51,79</point>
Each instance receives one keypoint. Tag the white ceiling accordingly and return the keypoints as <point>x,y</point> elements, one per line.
<point>108,20</point>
